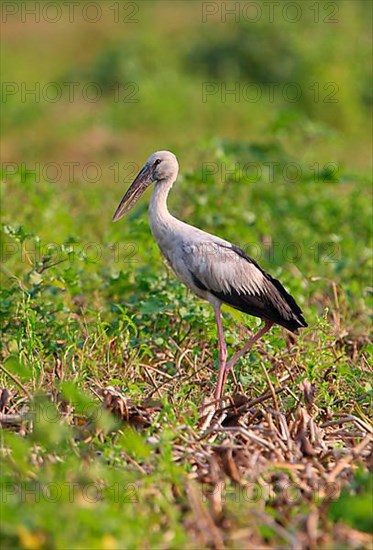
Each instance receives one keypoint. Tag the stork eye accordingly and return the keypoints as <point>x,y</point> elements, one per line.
<point>157,161</point>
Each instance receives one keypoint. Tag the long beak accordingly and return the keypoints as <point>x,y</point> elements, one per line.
<point>132,195</point>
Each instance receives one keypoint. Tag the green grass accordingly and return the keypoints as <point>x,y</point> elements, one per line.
<point>107,360</point>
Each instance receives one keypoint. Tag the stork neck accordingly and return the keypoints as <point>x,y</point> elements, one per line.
<point>159,215</point>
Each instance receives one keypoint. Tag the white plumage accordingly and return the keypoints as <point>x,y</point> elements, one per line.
<point>214,269</point>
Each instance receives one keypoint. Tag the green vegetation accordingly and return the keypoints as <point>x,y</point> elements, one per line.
<point>107,362</point>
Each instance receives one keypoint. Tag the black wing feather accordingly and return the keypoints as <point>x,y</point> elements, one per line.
<point>264,304</point>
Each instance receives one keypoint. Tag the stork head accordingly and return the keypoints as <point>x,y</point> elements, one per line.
<point>160,167</point>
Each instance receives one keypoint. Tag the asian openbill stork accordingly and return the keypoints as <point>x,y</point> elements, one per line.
<point>214,269</point>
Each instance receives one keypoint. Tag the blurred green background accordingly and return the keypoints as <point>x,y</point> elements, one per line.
<point>167,50</point>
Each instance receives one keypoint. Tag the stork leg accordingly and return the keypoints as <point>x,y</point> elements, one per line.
<point>248,345</point>
<point>222,355</point>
